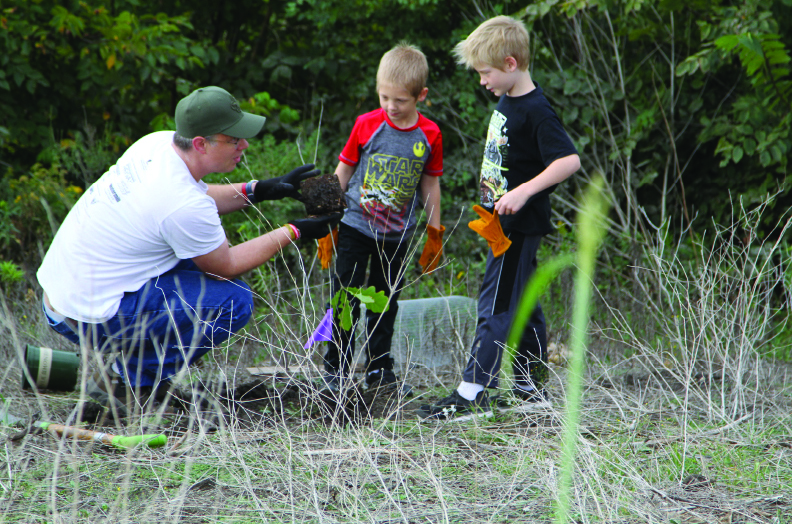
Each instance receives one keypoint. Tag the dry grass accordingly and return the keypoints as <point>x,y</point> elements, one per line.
<point>637,450</point>
<point>688,424</point>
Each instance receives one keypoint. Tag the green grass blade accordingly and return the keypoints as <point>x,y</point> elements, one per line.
<point>534,289</point>
<point>590,233</point>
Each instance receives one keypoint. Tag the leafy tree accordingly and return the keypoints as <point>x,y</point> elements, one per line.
<point>752,130</point>
<point>655,100</point>
<point>676,103</point>
<point>66,64</point>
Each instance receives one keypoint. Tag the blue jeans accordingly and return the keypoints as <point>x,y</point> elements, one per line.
<point>168,324</point>
<point>504,280</point>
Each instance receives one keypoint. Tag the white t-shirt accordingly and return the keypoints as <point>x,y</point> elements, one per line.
<point>143,216</point>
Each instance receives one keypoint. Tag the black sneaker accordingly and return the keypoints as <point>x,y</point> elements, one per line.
<point>456,407</point>
<point>386,380</point>
<point>329,383</point>
<point>334,389</point>
<point>523,401</point>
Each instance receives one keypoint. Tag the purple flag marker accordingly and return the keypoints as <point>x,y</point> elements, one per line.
<point>323,332</point>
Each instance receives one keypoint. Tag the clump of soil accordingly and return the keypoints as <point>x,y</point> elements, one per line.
<point>322,195</point>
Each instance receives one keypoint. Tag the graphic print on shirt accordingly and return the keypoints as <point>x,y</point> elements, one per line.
<point>117,182</point>
<point>493,183</point>
<point>389,184</point>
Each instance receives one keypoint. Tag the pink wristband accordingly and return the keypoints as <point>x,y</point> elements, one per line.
<point>295,231</point>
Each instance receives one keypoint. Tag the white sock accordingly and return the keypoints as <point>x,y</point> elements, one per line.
<point>469,390</point>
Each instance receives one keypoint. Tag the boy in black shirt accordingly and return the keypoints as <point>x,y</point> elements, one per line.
<point>527,154</point>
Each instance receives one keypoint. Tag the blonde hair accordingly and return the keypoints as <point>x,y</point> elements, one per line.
<point>492,42</point>
<point>404,66</point>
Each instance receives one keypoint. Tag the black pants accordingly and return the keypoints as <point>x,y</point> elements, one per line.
<point>504,280</point>
<point>384,261</point>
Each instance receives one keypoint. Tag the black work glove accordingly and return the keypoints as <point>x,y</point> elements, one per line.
<point>316,227</point>
<point>286,186</point>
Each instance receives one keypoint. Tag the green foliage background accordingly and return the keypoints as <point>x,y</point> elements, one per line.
<point>684,107</point>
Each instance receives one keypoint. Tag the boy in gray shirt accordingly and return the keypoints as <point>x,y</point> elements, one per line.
<point>392,160</point>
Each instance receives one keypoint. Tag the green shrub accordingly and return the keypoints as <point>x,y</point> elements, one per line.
<point>10,273</point>
<point>86,155</point>
<point>34,205</point>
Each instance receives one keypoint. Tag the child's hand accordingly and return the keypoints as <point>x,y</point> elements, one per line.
<point>489,227</point>
<point>512,201</point>
<point>433,249</point>
<point>325,248</point>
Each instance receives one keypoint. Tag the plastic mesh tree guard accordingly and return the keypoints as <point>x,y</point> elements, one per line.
<point>431,332</point>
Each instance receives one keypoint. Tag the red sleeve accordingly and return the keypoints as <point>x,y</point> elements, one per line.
<point>351,152</point>
<point>434,166</point>
<point>364,127</point>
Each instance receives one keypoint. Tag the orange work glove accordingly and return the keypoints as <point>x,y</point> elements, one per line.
<point>325,249</point>
<point>433,249</point>
<point>489,227</point>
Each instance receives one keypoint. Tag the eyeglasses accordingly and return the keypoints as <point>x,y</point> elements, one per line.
<point>234,141</point>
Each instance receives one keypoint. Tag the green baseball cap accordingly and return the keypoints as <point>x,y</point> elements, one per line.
<point>211,110</point>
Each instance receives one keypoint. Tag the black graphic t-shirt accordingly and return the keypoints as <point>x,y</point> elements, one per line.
<point>524,137</point>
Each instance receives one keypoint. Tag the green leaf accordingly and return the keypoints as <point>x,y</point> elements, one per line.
<point>723,146</point>
<point>337,300</point>
<point>728,42</point>
<point>775,151</point>
<point>571,86</point>
<point>648,178</point>
<point>340,304</point>
<point>705,29</point>
<point>687,66</point>
<point>214,55</point>
<point>737,154</point>
<point>570,115</point>
<point>696,105</point>
<point>289,115</point>
<point>365,299</point>
<point>588,113</point>
<point>346,318</point>
<point>10,272</point>
<point>375,301</point>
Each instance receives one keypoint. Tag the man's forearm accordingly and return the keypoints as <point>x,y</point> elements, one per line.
<point>230,262</point>
<point>229,197</point>
<point>255,252</point>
